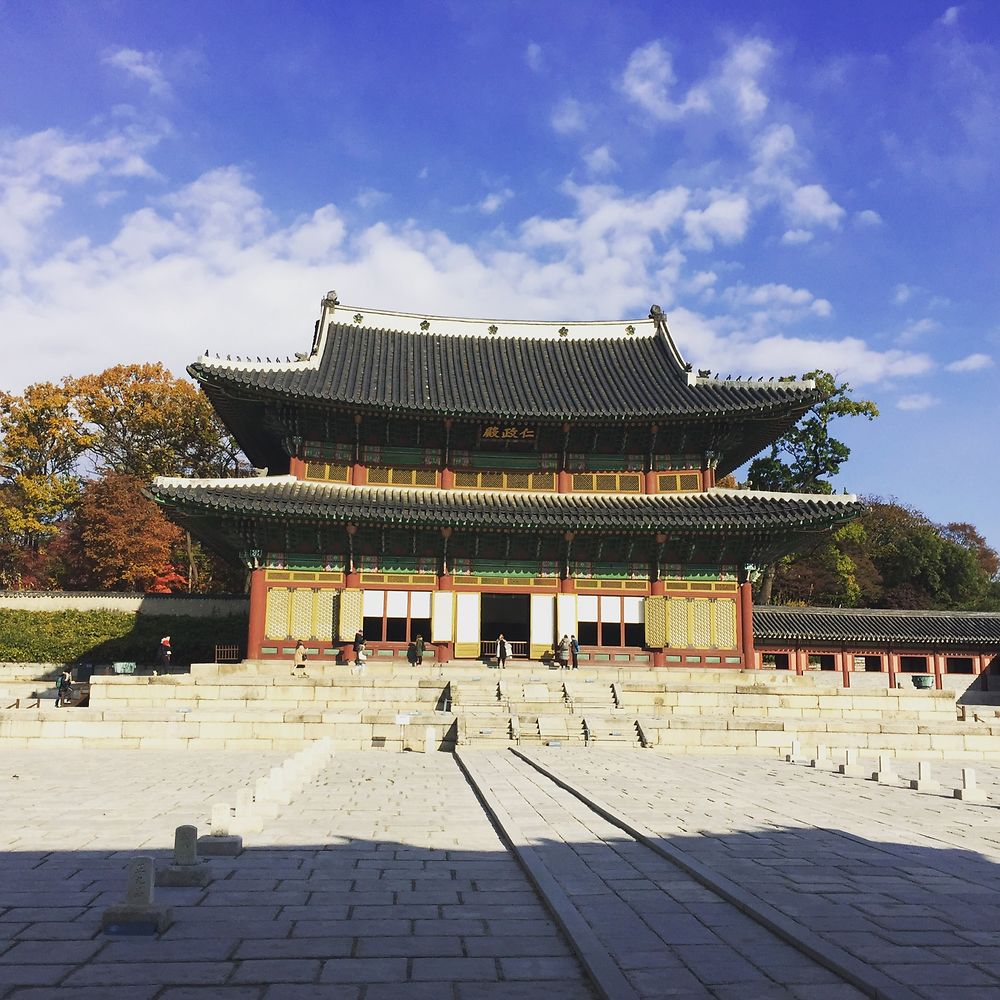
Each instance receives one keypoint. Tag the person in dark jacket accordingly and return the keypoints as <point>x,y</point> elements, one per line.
<point>503,651</point>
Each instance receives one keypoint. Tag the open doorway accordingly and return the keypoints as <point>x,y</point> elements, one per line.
<point>509,614</point>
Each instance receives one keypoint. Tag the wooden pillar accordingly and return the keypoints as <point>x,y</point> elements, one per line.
<point>258,613</point>
<point>649,483</point>
<point>358,477</point>
<point>843,662</point>
<point>297,468</point>
<point>565,482</point>
<point>447,479</point>
<point>940,666</point>
<point>567,586</point>
<point>444,651</point>
<point>801,661</point>
<point>746,625</point>
<point>892,662</point>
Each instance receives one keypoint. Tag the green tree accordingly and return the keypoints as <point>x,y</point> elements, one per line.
<point>803,459</point>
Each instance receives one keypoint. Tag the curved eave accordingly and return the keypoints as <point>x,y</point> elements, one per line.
<point>731,511</point>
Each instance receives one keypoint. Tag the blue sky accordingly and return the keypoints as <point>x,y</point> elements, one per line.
<point>798,184</point>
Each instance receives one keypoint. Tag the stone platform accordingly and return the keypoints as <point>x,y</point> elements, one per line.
<point>262,705</point>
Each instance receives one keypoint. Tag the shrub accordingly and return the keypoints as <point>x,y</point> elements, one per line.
<point>105,636</point>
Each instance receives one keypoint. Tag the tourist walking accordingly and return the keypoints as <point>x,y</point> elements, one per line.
<point>359,645</point>
<point>64,688</point>
<point>164,654</point>
<point>574,649</point>
<point>418,649</point>
<point>299,659</point>
<point>503,651</point>
<point>562,652</point>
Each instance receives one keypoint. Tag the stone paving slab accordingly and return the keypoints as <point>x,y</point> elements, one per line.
<point>636,903</point>
<point>366,885</point>
<point>862,865</point>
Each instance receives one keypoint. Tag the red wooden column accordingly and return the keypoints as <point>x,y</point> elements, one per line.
<point>939,669</point>
<point>844,661</point>
<point>746,626</point>
<point>297,468</point>
<point>657,589</point>
<point>892,662</point>
<point>258,612</point>
<point>801,661</point>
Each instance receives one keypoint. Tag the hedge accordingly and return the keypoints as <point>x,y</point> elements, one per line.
<point>106,636</point>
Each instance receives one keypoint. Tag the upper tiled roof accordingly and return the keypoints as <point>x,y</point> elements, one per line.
<point>744,511</point>
<point>855,625</point>
<point>497,369</point>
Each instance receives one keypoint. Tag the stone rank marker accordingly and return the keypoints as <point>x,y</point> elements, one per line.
<point>969,792</point>
<point>822,757</point>
<point>851,768</point>
<point>923,782</point>
<point>138,914</point>
<point>187,869</point>
<point>220,842</point>
<point>885,775</point>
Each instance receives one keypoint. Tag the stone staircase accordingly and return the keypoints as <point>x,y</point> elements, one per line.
<point>393,705</point>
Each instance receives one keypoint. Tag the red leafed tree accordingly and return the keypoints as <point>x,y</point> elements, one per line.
<point>117,539</point>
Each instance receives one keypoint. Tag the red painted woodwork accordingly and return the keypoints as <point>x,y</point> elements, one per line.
<point>447,479</point>
<point>564,482</point>
<point>258,611</point>
<point>746,625</point>
<point>649,484</point>
<point>297,468</point>
<point>656,588</point>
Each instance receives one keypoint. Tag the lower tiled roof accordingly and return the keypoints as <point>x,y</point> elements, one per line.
<point>853,625</point>
<point>744,511</point>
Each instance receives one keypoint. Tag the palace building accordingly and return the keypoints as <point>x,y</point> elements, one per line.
<point>461,478</point>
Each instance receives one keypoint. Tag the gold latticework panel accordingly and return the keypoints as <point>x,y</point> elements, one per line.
<point>276,614</point>
<point>401,477</point>
<point>327,472</point>
<point>425,477</point>
<point>543,480</point>
<point>378,475</point>
<point>701,624</point>
<point>518,480</point>
<point>302,613</point>
<point>678,634</point>
<point>466,480</point>
<point>326,605</point>
<point>630,484</point>
<point>725,624</point>
<point>491,480</point>
<point>689,481</point>
<point>605,484</point>
<point>351,613</point>
<point>655,609</point>
<point>582,482</point>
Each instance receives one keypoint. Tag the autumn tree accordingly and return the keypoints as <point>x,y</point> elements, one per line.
<point>117,539</point>
<point>804,459</point>
<point>143,422</point>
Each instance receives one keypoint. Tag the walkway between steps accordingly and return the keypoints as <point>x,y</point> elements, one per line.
<point>643,927</point>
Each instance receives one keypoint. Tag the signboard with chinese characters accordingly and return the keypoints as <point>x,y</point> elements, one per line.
<point>507,432</point>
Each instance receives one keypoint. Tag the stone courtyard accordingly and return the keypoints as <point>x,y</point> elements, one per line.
<point>542,872</point>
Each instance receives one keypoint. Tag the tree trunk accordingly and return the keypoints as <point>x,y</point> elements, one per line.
<point>192,569</point>
<point>767,583</point>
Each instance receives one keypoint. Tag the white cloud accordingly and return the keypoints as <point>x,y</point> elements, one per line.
<point>971,363</point>
<point>533,56</point>
<point>369,197</point>
<point>868,217</point>
<point>494,201</point>
<point>740,76</point>
<point>796,237</point>
<point>918,328</point>
<point>950,16</point>
<point>725,219</point>
<point>812,205</point>
<point>648,80</point>
<point>774,144</point>
<point>143,66</point>
<point>209,257</point>
<point>902,294</point>
<point>917,401</point>
<point>599,161</point>
<point>568,116</point>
